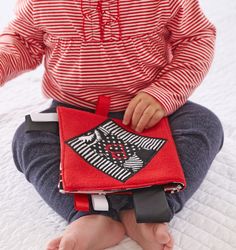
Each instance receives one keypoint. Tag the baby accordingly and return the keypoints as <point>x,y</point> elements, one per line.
<point>148,56</point>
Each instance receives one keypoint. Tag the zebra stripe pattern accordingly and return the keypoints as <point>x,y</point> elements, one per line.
<point>99,162</point>
<point>134,163</point>
<point>108,129</point>
<point>141,142</point>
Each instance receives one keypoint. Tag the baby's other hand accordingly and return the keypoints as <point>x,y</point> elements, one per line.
<point>143,112</point>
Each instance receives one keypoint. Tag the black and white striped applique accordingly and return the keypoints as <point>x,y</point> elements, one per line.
<point>115,151</point>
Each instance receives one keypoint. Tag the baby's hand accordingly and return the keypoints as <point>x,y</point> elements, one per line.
<point>143,112</point>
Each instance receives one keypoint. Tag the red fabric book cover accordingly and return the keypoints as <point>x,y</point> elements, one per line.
<point>102,154</point>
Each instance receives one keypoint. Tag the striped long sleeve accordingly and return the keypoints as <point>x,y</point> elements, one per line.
<point>192,39</point>
<point>21,44</point>
<point>114,47</point>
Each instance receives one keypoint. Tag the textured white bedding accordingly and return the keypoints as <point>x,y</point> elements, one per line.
<point>208,220</point>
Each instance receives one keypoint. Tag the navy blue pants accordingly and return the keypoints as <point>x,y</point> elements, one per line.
<point>197,133</point>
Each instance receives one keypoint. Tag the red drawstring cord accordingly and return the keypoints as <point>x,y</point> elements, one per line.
<point>83,25</point>
<point>101,24</point>
<point>118,17</point>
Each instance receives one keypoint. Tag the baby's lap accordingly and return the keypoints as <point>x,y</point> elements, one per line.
<point>192,110</point>
<point>34,138</point>
<point>190,115</point>
<point>194,116</point>
<point>21,133</point>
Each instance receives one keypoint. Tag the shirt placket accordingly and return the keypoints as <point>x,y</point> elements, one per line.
<point>101,20</point>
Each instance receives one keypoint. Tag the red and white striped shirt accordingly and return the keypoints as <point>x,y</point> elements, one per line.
<point>110,47</point>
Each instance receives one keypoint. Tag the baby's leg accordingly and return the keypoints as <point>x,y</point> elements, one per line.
<point>37,155</point>
<point>198,137</point>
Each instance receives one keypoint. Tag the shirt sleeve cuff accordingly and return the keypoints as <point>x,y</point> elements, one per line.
<point>165,98</point>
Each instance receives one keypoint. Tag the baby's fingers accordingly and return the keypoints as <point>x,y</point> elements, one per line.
<point>129,111</point>
<point>155,119</point>
<point>138,113</point>
<point>145,118</point>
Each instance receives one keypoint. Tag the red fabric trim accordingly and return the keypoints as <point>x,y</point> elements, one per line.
<point>81,202</point>
<point>103,105</point>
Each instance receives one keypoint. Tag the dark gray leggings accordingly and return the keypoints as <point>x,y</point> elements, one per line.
<point>198,136</point>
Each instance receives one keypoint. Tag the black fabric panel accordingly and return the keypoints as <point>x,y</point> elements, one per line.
<point>40,126</point>
<point>151,206</point>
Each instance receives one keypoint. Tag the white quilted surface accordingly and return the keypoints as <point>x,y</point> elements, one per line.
<point>208,220</point>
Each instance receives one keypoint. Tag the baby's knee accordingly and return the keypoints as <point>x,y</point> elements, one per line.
<point>17,145</point>
<point>213,128</point>
<point>198,123</point>
<point>206,123</point>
